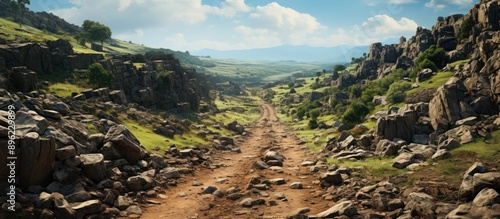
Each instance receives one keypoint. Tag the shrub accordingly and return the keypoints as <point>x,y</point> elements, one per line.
<point>312,124</point>
<point>99,77</point>
<point>314,114</point>
<point>466,28</point>
<point>434,54</point>
<point>291,84</point>
<point>396,93</point>
<point>355,114</point>
<point>426,63</point>
<point>164,78</point>
<point>292,91</point>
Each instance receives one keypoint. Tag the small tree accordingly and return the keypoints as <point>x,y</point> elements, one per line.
<point>292,91</point>
<point>338,68</point>
<point>312,124</point>
<point>95,31</point>
<point>99,77</point>
<point>17,6</point>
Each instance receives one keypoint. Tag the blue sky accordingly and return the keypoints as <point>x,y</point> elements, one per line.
<point>245,24</point>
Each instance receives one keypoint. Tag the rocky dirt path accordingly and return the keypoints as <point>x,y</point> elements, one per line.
<point>236,173</point>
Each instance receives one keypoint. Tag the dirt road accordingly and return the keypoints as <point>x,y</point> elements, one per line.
<point>236,173</point>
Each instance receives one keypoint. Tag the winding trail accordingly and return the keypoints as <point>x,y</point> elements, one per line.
<point>185,200</point>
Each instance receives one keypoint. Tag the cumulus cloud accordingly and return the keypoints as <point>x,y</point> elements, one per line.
<point>383,24</point>
<point>441,4</point>
<point>275,24</point>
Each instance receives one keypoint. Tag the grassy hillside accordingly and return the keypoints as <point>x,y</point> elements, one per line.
<point>13,32</point>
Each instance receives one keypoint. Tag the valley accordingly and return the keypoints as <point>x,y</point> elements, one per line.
<point>105,128</point>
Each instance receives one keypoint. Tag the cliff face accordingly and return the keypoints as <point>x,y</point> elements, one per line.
<point>473,93</point>
<point>185,90</point>
<point>40,20</point>
<point>446,33</point>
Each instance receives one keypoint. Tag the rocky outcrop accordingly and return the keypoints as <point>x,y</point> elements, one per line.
<point>39,20</point>
<point>400,125</point>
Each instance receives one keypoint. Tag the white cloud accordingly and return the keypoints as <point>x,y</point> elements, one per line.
<point>139,32</point>
<point>275,24</point>
<point>124,4</point>
<point>441,4</point>
<point>402,1</point>
<point>76,2</point>
<point>229,8</point>
<point>435,5</point>
<point>383,24</point>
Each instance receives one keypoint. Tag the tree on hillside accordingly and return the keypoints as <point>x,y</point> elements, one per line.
<point>95,31</point>
<point>338,68</point>
<point>16,6</point>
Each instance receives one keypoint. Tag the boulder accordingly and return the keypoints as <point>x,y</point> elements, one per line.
<point>139,183</point>
<point>29,121</point>
<point>486,197</point>
<point>87,208</point>
<point>441,154</point>
<point>273,155</point>
<point>345,208</point>
<point>424,75</point>
<point>36,156</point>
<point>118,97</point>
<point>25,80</point>
<point>400,125</point>
<point>448,105</point>
<point>477,167</point>
<point>331,178</point>
<point>93,166</point>
<point>387,148</point>
<point>472,211</point>
<point>121,143</point>
<point>449,144</point>
<point>485,180</point>
<point>421,205</point>
<point>403,160</point>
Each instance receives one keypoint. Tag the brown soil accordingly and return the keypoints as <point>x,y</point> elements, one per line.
<point>267,132</point>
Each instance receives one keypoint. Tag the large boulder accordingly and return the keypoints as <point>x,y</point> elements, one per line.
<point>400,125</point>
<point>424,75</point>
<point>25,80</point>
<point>121,143</point>
<point>35,159</point>
<point>345,208</point>
<point>448,105</point>
<point>93,166</point>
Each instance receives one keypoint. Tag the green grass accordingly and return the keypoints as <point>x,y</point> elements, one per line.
<point>266,70</point>
<point>380,168</point>
<point>459,62</point>
<point>434,82</point>
<point>64,89</point>
<point>451,170</point>
<point>149,139</point>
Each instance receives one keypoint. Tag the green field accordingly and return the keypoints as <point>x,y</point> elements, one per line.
<point>268,71</point>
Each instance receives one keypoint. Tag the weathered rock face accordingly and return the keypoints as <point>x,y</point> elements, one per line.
<point>121,143</point>
<point>397,126</point>
<point>449,105</point>
<point>35,157</point>
<point>40,20</point>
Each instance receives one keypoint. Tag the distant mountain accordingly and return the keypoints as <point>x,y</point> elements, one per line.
<point>289,53</point>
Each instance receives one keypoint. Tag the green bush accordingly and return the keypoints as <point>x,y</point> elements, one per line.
<point>291,84</point>
<point>355,114</point>
<point>312,124</point>
<point>434,54</point>
<point>99,77</point>
<point>466,28</point>
<point>292,91</point>
<point>426,63</point>
<point>164,78</point>
<point>396,93</point>
<point>314,114</point>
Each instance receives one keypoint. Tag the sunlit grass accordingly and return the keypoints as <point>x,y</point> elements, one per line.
<point>64,89</point>
<point>379,167</point>
<point>434,82</point>
<point>149,139</point>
